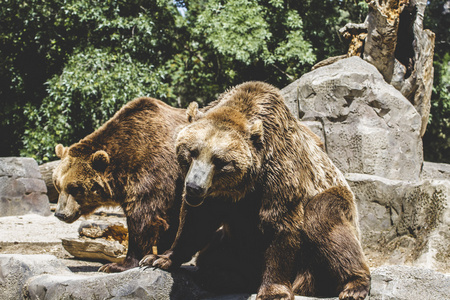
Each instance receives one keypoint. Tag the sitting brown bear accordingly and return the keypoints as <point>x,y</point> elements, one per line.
<point>287,218</point>
<point>129,161</point>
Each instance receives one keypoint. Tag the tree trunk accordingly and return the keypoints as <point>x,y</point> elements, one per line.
<point>398,46</point>
<point>47,173</point>
<point>417,82</point>
<point>383,20</point>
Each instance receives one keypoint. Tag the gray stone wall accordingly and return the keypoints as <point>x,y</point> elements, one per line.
<point>372,133</point>
<point>22,189</point>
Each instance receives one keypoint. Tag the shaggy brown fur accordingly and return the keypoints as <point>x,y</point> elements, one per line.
<point>288,217</point>
<point>129,161</point>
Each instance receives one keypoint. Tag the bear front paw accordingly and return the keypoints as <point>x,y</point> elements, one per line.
<point>127,264</point>
<point>163,262</point>
<point>109,268</point>
<point>355,290</point>
<point>275,292</point>
<point>148,260</point>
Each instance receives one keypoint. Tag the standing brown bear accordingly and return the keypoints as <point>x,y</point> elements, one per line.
<point>129,161</point>
<point>287,216</point>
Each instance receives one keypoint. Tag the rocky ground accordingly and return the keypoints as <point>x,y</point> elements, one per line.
<point>36,234</point>
<point>60,275</point>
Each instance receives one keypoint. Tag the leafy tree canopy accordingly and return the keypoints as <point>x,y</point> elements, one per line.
<point>68,65</point>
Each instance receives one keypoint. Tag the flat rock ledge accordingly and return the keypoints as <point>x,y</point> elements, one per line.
<point>46,277</point>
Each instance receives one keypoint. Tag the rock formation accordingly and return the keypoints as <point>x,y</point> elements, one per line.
<point>44,277</point>
<point>373,134</point>
<point>366,124</point>
<point>393,39</point>
<point>404,222</point>
<point>22,189</point>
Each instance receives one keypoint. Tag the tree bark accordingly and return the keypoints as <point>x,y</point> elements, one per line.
<point>379,48</point>
<point>357,34</point>
<point>47,173</point>
<point>417,83</point>
<point>392,38</point>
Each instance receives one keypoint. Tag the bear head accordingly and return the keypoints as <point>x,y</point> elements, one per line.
<point>80,180</point>
<point>216,152</point>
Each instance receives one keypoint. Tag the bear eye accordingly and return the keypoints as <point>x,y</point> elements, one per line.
<point>184,158</point>
<point>74,189</point>
<point>194,153</point>
<point>96,188</point>
<point>223,165</point>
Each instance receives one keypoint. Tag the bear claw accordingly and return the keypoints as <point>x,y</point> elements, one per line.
<point>354,291</point>
<point>118,267</point>
<point>163,263</point>
<point>148,260</point>
<point>275,292</point>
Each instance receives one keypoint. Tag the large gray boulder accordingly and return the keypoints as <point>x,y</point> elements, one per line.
<point>16,269</point>
<point>22,190</point>
<point>132,284</point>
<point>367,125</point>
<point>407,283</point>
<point>404,222</point>
<point>43,277</point>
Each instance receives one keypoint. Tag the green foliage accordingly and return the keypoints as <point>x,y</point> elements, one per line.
<point>140,28</point>
<point>94,84</point>
<point>68,65</point>
<point>237,28</point>
<point>33,46</point>
<point>245,30</point>
<point>436,141</point>
<point>93,56</point>
<point>322,21</point>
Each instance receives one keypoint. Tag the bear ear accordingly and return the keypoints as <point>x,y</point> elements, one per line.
<point>257,132</point>
<point>192,112</point>
<point>100,160</point>
<point>61,151</point>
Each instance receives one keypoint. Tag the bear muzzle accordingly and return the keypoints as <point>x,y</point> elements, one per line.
<point>67,218</point>
<point>67,209</point>
<point>194,194</point>
<point>198,179</point>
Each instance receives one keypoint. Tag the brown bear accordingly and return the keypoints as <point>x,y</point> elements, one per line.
<point>129,161</point>
<point>264,203</point>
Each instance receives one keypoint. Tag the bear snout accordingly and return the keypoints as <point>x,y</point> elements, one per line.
<point>61,216</point>
<point>67,218</point>
<point>194,194</point>
<point>195,190</point>
<point>199,178</point>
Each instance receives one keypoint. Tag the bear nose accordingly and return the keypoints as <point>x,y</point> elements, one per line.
<point>60,216</point>
<point>194,189</point>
